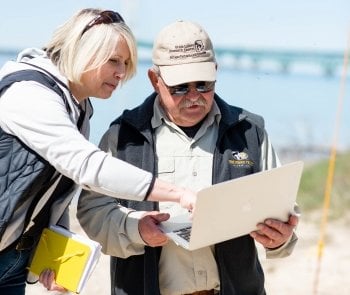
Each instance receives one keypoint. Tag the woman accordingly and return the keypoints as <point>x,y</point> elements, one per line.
<point>88,56</point>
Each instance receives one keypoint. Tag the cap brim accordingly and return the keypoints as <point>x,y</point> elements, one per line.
<point>185,73</point>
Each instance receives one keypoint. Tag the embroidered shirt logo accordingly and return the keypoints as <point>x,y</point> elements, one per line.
<point>240,159</point>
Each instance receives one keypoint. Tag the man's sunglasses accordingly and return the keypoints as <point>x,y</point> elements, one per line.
<point>105,17</point>
<point>201,87</point>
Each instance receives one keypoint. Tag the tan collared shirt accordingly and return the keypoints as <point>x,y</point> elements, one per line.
<point>188,162</point>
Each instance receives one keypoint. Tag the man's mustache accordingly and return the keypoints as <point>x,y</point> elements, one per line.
<point>187,103</point>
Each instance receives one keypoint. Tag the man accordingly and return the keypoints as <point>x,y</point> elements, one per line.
<point>186,134</point>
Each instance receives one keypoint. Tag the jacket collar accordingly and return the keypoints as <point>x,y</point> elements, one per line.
<point>140,117</point>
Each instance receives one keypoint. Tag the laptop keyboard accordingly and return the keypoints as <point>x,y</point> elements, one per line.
<point>184,233</point>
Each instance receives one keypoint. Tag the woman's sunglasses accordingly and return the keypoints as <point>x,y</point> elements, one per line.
<point>105,17</point>
<point>201,87</point>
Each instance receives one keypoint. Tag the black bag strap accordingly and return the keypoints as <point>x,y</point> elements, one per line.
<point>45,79</point>
<point>32,75</point>
<point>42,217</point>
<point>58,81</point>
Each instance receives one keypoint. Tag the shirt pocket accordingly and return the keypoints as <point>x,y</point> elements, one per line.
<point>166,169</point>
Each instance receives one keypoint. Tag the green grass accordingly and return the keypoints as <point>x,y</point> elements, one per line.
<point>313,184</point>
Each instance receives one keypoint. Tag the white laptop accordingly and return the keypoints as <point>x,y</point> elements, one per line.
<point>233,208</point>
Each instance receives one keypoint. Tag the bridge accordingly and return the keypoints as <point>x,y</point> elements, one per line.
<point>283,61</point>
<point>280,60</point>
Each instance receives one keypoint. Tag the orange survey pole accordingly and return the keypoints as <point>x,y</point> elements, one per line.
<point>331,168</point>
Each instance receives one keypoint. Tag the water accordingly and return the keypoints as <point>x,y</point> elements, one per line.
<point>300,110</point>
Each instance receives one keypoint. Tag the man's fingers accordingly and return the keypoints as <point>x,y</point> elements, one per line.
<point>162,216</point>
<point>279,226</point>
<point>294,220</point>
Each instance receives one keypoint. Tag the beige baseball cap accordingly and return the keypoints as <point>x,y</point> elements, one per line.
<point>184,53</point>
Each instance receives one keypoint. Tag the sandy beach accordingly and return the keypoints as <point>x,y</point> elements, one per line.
<point>294,275</point>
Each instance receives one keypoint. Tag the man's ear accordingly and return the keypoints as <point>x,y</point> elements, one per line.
<point>153,77</point>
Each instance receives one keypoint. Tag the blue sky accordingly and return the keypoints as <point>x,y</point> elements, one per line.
<point>298,24</point>
<point>302,24</point>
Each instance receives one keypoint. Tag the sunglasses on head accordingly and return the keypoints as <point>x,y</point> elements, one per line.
<point>104,17</point>
<point>200,86</point>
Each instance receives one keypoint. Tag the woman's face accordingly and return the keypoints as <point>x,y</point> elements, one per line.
<point>102,81</point>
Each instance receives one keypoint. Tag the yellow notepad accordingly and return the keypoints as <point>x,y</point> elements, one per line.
<point>71,256</point>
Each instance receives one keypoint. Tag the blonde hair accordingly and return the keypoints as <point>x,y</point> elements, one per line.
<point>75,53</point>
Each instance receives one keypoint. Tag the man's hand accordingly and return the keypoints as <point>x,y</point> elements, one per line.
<point>274,233</point>
<point>47,278</point>
<point>149,230</point>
